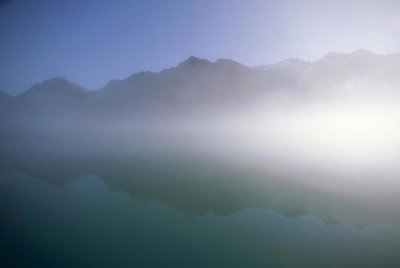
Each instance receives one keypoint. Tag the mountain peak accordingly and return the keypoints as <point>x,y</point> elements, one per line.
<point>286,64</point>
<point>228,62</point>
<point>56,85</point>
<point>359,53</point>
<point>290,62</point>
<point>332,55</point>
<point>362,52</point>
<point>55,81</point>
<point>193,62</point>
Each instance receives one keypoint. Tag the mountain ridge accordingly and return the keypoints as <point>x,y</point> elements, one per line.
<point>196,62</point>
<point>197,82</point>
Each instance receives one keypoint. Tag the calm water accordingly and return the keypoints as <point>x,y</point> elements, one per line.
<point>174,199</point>
<point>83,223</point>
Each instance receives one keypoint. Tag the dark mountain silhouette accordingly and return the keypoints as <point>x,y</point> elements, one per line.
<point>201,85</point>
<point>58,86</point>
<point>192,82</point>
<point>53,90</point>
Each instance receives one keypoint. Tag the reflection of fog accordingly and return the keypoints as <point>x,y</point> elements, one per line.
<point>84,224</point>
<point>334,156</point>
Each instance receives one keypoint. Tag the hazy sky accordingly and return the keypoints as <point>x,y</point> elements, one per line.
<point>90,42</point>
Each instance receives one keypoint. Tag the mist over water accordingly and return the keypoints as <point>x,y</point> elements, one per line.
<point>293,177</point>
<point>155,133</point>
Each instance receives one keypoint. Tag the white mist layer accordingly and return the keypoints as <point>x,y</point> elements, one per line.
<point>349,146</point>
<point>343,148</point>
<point>360,132</point>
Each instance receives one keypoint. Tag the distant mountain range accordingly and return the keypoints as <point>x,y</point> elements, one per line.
<point>201,85</point>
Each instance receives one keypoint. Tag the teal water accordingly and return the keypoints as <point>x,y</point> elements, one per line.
<point>84,223</point>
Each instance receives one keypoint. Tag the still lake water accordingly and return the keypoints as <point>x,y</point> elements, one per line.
<point>77,199</point>
<point>83,223</point>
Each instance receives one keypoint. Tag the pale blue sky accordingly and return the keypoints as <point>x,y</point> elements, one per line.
<point>92,42</point>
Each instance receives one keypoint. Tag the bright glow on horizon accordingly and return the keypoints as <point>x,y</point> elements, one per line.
<point>355,132</point>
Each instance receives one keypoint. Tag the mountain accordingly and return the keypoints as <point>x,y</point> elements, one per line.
<point>288,65</point>
<point>194,82</point>
<point>361,66</point>
<point>200,85</point>
<point>53,95</point>
<point>57,87</point>
<point>293,70</point>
